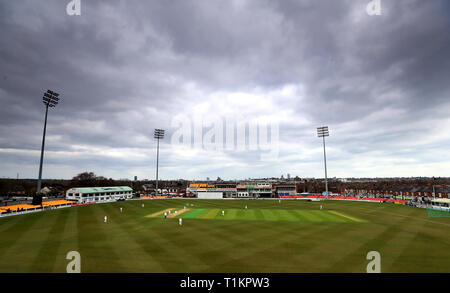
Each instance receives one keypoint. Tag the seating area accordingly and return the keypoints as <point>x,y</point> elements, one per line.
<point>150,197</point>
<point>25,207</point>
<point>16,207</point>
<point>341,197</point>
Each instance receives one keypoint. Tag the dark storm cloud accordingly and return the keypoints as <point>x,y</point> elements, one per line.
<point>126,67</point>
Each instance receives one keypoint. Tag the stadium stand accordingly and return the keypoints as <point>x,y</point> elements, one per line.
<point>342,197</point>
<point>27,207</point>
<point>150,197</point>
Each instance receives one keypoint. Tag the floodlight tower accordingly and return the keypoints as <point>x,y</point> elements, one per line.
<point>159,134</point>
<point>322,132</point>
<point>50,99</point>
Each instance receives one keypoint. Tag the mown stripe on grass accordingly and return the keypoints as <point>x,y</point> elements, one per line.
<point>290,216</point>
<point>353,259</point>
<point>264,250</point>
<point>401,242</point>
<point>259,215</point>
<point>346,216</point>
<point>7,222</point>
<point>245,239</point>
<point>138,245</point>
<point>14,233</point>
<point>193,214</point>
<point>312,216</point>
<point>230,214</point>
<point>180,246</point>
<point>409,260</point>
<point>327,217</point>
<point>46,257</point>
<point>68,242</point>
<point>316,252</point>
<point>209,214</point>
<point>240,214</point>
<point>22,253</point>
<point>93,243</point>
<point>297,215</point>
<point>270,215</point>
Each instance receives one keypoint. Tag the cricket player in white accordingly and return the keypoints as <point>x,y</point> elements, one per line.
<point>120,209</point>
<point>106,219</point>
<point>320,206</point>
<point>245,206</point>
<point>169,212</point>
<point>180,221</point>
<point>165,215</point>
<point>142,205</point>
<point>175,213</point>
<point>223,213</point>
<point>184,207</point>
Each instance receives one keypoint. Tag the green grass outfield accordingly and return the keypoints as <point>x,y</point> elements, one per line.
<point>291,236</point>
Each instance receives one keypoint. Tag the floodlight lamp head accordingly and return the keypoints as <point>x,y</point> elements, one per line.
<point>159,133</point>
<point>50,98</point>
<point>322,131</point>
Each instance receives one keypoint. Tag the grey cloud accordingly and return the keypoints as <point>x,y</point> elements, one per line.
<point>126,67</point>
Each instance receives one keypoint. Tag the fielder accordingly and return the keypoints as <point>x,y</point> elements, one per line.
<point>245,206</point>
<point>165,215</point>
<point>180,221</point>
<point>106,219</point>
<point>120,209</point>
<point>320,206</point>
<point>223,213</point>
<point>175,213</point>
<point>142,205</point>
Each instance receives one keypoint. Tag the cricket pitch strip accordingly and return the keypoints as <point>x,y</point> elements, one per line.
<point>171,215</point>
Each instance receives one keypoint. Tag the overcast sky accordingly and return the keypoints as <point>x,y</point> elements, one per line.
<point>123,68</point>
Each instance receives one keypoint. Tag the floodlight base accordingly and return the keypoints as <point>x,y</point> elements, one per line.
<point>37,199</point>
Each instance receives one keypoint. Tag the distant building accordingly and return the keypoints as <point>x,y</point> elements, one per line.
<point>99,194</point>
<point>211,191</point>
<point>255,190</point>
<point>285,189</point>
<point>245,189</point>
<point>52,190</point>
<point>46,190</point>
